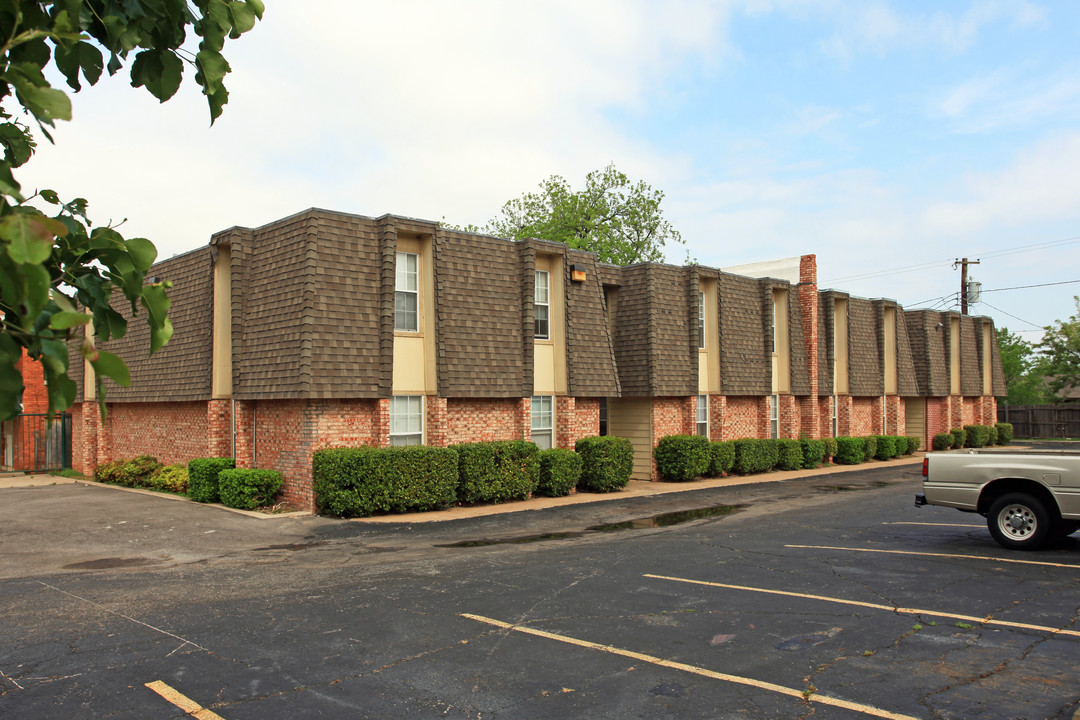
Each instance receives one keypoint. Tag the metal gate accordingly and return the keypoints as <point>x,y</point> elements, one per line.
<point>32,444</point>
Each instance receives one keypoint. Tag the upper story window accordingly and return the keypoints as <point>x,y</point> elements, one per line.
<point>542,306</point>
<point>701,318</point>
<point>407,293</point>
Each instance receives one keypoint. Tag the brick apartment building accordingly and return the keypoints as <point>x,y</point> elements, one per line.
<point>327,329</point>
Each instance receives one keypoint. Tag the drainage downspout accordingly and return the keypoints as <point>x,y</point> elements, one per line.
<point>254,433</point>
<point>232,414</point>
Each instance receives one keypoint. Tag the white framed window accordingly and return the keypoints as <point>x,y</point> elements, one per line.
<point>407,420</point>
<point>703,415</point>
<point>407,293</point>
<point>603,416</point>
<point>543,421</point>
<point>542,306</point>
<point>774,416</point>
<point>701,319</point>
<point>835,414</point>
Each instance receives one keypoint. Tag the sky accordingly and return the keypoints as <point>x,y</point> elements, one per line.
<point>888,138</point>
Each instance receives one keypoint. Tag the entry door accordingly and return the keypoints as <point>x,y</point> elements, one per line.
<point>915,424</point>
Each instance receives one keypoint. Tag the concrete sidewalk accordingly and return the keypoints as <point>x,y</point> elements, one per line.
<point>636,488</point>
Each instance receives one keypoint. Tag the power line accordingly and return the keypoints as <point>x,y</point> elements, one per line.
<point>1040,327</point>
<point>1022,287</point>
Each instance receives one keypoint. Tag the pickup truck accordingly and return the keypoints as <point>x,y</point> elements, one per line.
<point>1028,497</point>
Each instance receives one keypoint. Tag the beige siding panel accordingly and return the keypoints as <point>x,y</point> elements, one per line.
<point>631,418</point>
<point>915,419</point>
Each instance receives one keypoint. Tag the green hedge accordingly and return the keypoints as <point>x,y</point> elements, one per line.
<point>942,441</point>
<point>789,454</point>
<point>813,452</point>
<point>830,446</point>
<point>560,471</point>
<point>203,477</point>
<point>913,443</point>
<point>976,436</point>
<point>886,447</point>
<point>137,472</point>
<point>958,438</point>
<point>850,450</point>
<point>869,447</point>
<point>1005,433</point>
<point>358,482</point>
<point>606,463</point>
<point>992,438</point>
<point>248,488</point>
<point>754,455</point>
<point>497,471</point>
<point>680,458</point>
<point>171,478</point>
<point>721,457</point>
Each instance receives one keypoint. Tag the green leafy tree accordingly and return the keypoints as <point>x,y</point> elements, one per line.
<point>58,273</point>
<point>1023,367</point>
<point>1060,347</point>
<point>619,220</point>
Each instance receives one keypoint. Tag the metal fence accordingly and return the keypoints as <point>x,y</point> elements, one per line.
<point>32,444</point>
<point>1042,421</point>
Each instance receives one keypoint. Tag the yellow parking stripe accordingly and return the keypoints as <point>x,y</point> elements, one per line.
<point>738,680</point>
<point>946,555</point>
<point>183,702</point>
<point>988,620</point>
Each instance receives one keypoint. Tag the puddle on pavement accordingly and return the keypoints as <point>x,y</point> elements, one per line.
<point>293,546</point>
<point>852,488</point>
<point>655,521</point>
<point>109,563</point>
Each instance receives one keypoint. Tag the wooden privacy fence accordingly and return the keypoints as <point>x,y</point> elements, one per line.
<point>1042,421</point>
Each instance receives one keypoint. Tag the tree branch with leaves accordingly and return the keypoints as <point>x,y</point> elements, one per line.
<point>59,275</point>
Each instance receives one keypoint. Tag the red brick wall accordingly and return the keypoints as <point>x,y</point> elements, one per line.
<point>576,418</point>
<point>35,398</point>
<point>864,416</point>
<point>895,416</point>
<point>171,432</point>
<point>790,417</point>
<point>743,417</point>
<point>482,419</point>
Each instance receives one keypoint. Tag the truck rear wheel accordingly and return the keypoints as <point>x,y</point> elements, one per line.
<point>1019,521</point>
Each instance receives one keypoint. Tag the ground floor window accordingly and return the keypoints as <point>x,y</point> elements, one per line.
<point>703,415</point>
<point>835,414</point>
<point>774,416</point>
<point>603,416</point>
<point>543,421</point>
<point>407,420</point>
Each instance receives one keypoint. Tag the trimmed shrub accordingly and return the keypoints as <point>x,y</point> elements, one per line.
<point>850,450</point>
<point>497,470</point>
<point>813,451</point>
<point>991,438</point>
<point>942,441</point>
<point>913,443</point>
<point>606,463</point>
<point>680,458</point>
<point>721,457</point>
<point>789,454</point>
<point>203,477</point>
<point>560,471</point>
<point>830,446</point>
<point>248,488</point>
<point>171,478</point>
<point>869,447</point>
<point>754,455</point>
<point>886,447</point>
<point>976,436</point>
<point>109,472</point>
<point>138,471</point>
<point>958,438</point>
<point>358,482</point>
<point>1005,433</point>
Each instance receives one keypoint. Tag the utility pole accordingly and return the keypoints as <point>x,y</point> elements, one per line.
<point>964,282</point>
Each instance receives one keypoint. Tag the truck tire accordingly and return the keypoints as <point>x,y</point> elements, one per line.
<point>1019,521</point>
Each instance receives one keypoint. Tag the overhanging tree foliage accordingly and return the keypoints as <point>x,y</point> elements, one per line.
<point>58,274</point>
<point>619,220</point>
<point>1025,375</point>
<point>1061,348</point>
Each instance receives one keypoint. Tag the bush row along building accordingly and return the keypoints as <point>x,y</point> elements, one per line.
<point>329,329</point>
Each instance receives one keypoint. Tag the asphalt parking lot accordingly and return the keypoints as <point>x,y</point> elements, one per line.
<point>826,597</point>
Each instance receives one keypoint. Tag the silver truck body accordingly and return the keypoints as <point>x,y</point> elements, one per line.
<point>1027,496</point>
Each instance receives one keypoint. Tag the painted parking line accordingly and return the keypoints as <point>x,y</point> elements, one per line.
<point>945,555</point>
<point>936,524</point>
<point>183,702</point>
<point>703,672</point>
<point>987,620</point>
